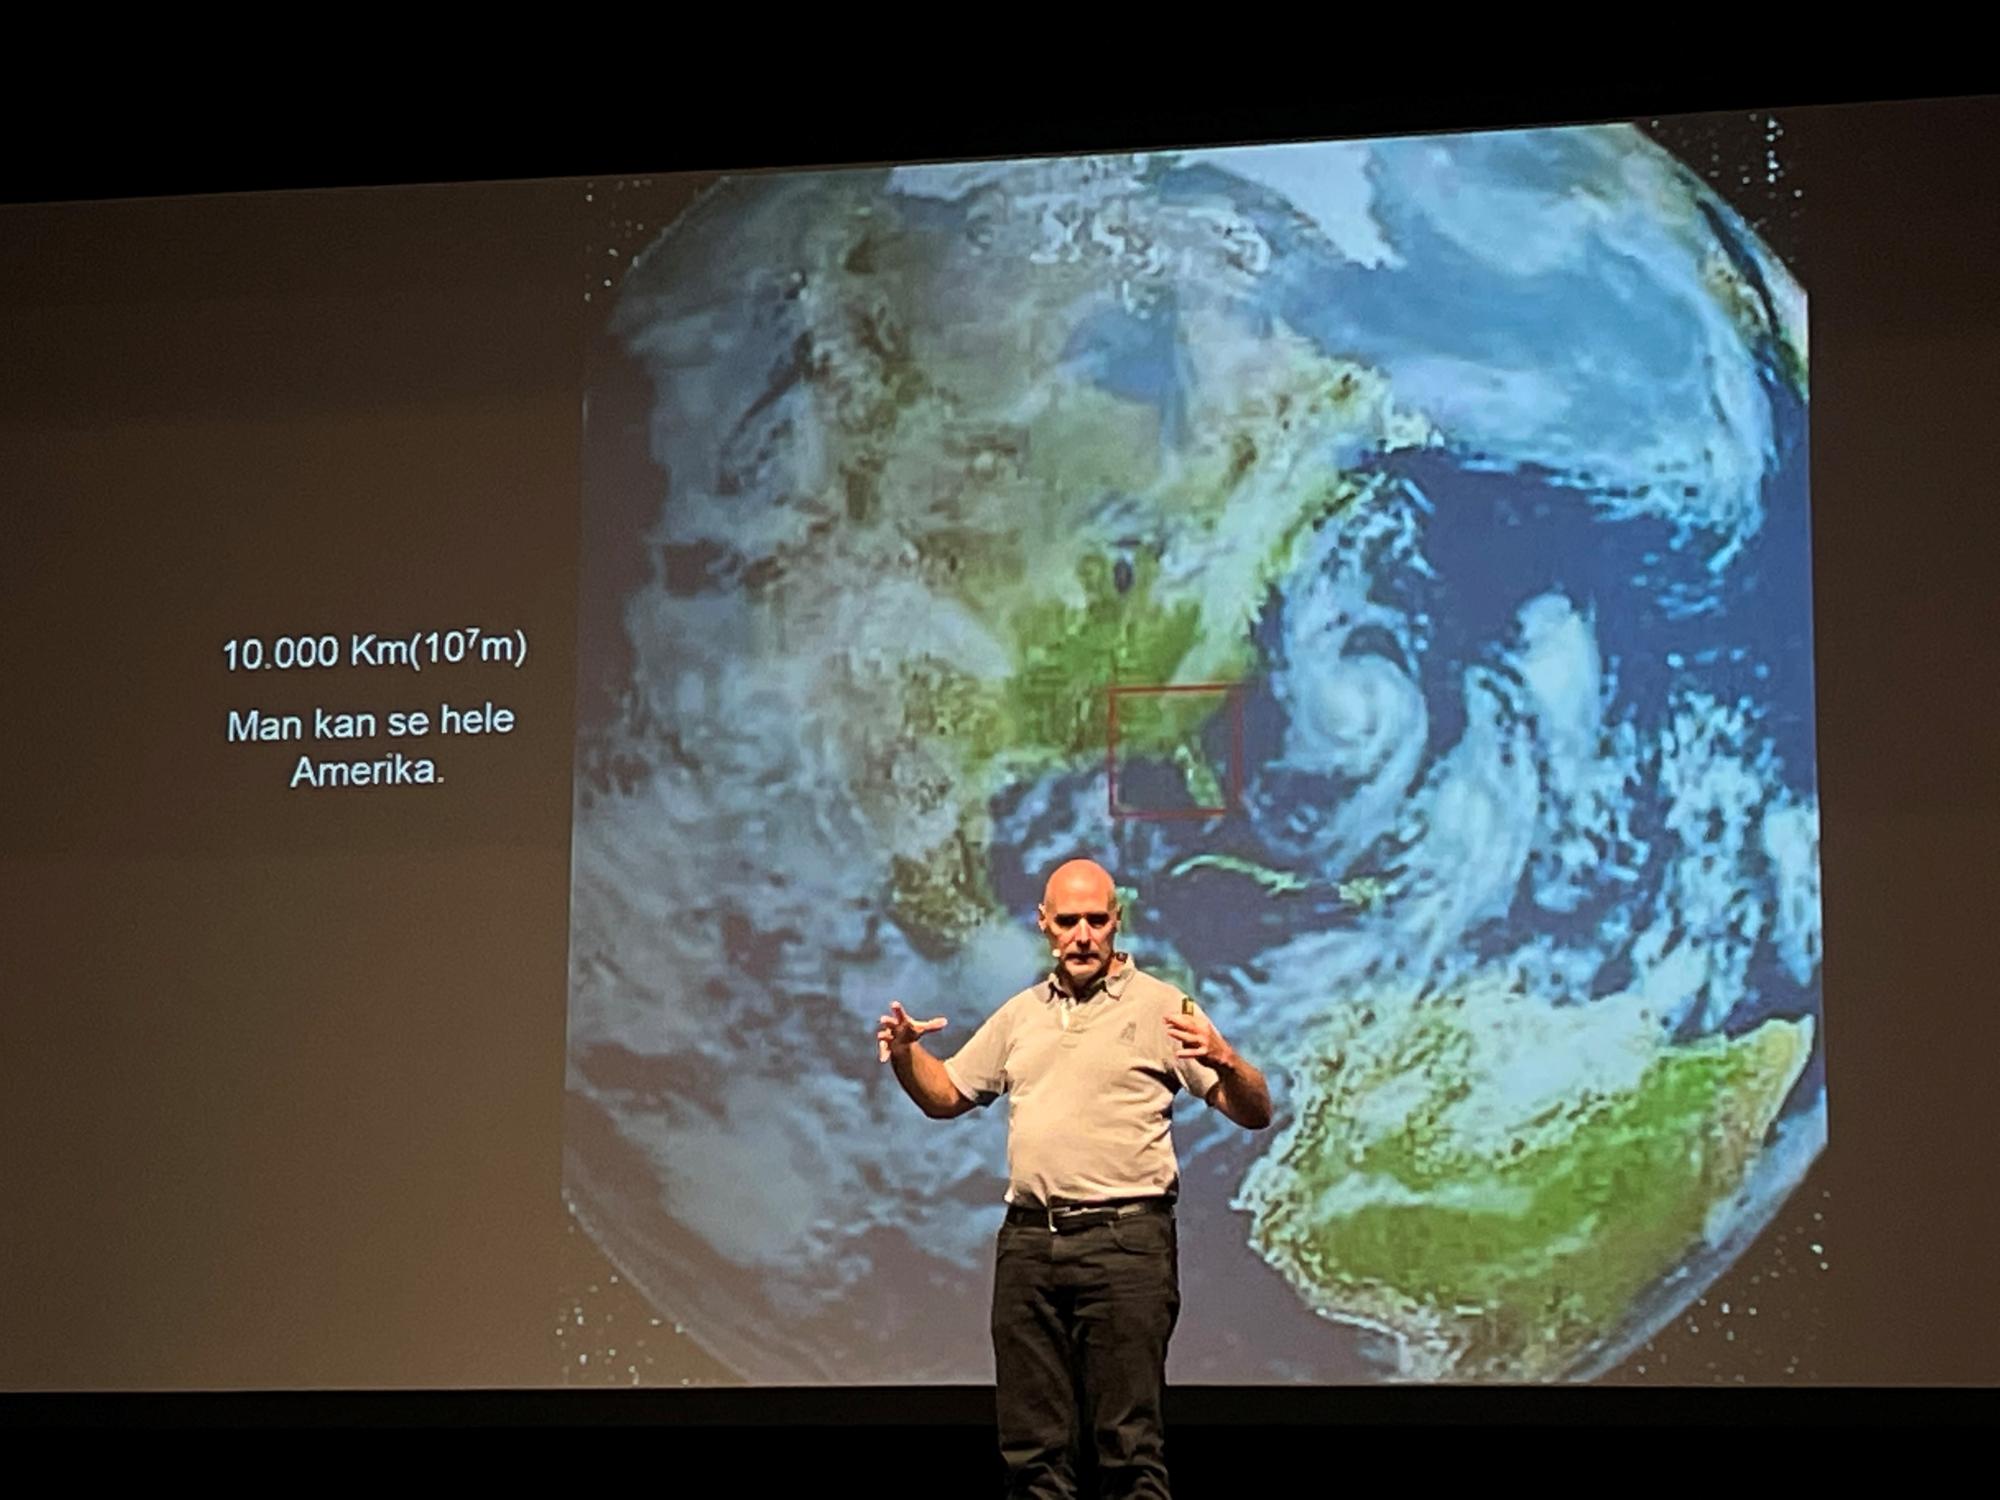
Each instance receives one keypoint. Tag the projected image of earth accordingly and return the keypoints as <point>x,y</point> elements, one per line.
<point>1469,477</point>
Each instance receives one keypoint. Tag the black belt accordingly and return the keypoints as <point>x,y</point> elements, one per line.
<point>1060,1218</point>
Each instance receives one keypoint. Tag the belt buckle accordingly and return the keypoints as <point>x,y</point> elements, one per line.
<point>1075,1211</point>
<point>1066,1210</point>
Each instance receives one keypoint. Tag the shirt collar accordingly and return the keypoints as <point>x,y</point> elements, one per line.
<point>1115,979</point>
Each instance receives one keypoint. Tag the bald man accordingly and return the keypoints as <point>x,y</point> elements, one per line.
<point>1086,1285</point>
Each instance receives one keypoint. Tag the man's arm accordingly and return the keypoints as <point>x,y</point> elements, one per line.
<point>925,1080</point>
<point>1241,1093</point>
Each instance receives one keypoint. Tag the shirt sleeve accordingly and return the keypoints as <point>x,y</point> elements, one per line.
<point>978,1070</point>
<point>1196,1076</point>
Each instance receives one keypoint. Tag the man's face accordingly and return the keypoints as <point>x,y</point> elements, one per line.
<point>1079,914</point>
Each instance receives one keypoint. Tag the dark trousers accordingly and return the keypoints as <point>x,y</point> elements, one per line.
<point>1081,1321</point>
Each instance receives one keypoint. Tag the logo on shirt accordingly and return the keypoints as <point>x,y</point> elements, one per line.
<point>1130,1033</point>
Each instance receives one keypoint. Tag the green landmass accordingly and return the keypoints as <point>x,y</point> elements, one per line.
<point>1363,892</point>
<point>1204,785</point>
<point>940,897</point>
<point>1499,1244</point>
<point>1276,882</point>
<point>1051,537</point>
<point>1069,655</point>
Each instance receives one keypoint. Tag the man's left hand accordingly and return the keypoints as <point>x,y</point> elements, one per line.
<point>1196,1036</point>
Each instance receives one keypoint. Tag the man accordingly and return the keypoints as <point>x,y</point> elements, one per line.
<point>1086,1285</point>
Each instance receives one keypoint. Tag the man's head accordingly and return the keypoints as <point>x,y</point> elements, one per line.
<point>1079,914</point>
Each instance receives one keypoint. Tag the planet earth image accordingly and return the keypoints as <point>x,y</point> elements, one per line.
<point>1389,558</point>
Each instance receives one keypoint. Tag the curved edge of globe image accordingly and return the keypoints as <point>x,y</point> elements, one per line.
<point>1457,486</point>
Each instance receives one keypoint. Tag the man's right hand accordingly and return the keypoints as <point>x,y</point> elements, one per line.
<point>899,1033</point>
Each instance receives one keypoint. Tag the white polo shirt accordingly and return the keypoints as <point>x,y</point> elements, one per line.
<point>1090,1086</point>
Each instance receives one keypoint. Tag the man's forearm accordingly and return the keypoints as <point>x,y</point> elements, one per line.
<point>925,1080</point>
<point>1242,1094</point>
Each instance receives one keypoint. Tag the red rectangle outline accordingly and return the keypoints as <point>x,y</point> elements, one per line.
<point>1233,697</point>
